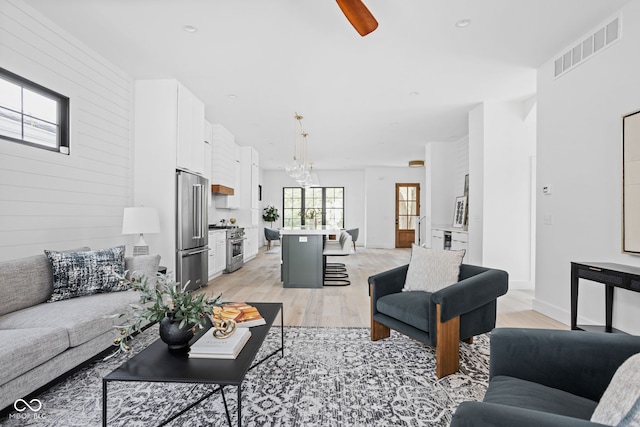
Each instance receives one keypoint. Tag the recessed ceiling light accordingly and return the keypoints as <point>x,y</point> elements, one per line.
<point>464,22</point>
<point>190,28</point>
<point>414,93</point>
<point>394,124</point>
<point>232,96</point>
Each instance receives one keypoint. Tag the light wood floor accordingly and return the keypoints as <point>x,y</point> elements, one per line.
<point>259,281</point>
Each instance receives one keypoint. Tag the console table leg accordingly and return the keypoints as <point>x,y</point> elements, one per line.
<point>574,297</point>
<point>608,308</point>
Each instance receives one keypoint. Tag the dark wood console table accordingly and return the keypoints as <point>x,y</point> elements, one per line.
<point>612,276</point>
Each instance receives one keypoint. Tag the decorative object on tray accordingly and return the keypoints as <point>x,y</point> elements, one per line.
<point>222,328</point>
<point>211,347</point>
<point>168,303</point>
<point>243,314</point>
<point>270,214</point>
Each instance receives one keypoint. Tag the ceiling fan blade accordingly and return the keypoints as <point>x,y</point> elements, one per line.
<point>359,16</point>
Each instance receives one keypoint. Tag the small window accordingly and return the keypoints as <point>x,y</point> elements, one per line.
<point>33,115</point>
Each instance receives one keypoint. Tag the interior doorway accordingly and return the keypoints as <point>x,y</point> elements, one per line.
<point>407,210</point>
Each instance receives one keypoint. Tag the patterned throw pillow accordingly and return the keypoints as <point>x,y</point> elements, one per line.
<point>84,273</point>
<point>620,403</point>
<point>432,269</point>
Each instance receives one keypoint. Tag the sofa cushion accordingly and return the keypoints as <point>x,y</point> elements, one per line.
<point>85,273</point>
<point>409,307</point>
<point>24,349</point>
<point>83,318</point>
<point>25,282</point>
<point>529,395</point>
<point>432,269</point>
<point>620,403</point>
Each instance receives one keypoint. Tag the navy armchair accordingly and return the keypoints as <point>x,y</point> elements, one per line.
<point>543,377</point>
<point>440,319</point>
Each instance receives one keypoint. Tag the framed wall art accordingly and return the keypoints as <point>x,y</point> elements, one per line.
<point>460,212</point>
<point>631,183</point>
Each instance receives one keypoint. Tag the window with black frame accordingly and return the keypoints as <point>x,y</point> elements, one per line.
<point>313,206</point>
<point>33,115</point>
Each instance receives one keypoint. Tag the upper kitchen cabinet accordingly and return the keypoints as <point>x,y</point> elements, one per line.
<point>167,116</point>
<point>190,147</point>
<point>250,165</point>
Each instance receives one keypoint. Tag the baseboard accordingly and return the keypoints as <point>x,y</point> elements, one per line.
<point>559,314</point>
<point>521,284</point>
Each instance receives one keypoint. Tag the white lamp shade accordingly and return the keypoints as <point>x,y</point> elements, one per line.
<point>140,220</point>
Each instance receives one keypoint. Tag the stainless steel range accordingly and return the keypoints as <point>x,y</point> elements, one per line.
<point>235,246</point>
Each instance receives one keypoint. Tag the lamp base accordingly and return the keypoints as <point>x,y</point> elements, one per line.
<point>141,247</point>
<point>140,250</point>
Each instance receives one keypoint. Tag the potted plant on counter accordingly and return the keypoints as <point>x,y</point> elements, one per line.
<point>270,214</point>
<point>179,312</point>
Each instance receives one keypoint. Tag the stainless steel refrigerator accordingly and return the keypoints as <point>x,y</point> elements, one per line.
<point>192,230</point>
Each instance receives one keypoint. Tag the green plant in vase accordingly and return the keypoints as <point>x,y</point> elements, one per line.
<point>270,214</point>
<point>179,312</point>
<point>313,214</point>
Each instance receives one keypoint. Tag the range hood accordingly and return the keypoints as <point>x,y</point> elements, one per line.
<point>221,189</point>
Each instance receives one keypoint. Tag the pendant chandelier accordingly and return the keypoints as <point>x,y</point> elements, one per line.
<point>300,170</point>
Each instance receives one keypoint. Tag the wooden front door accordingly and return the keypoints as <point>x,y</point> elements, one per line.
<point>407,208</point>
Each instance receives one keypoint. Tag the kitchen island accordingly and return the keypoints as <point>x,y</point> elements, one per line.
<point>301,254</point>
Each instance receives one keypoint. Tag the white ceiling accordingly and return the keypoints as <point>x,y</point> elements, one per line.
<point>284,56</point>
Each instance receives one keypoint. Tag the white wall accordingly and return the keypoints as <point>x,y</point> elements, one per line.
<point>50,200</point>
<point>580,155</point>
<point>502,137</point>
<point>380,189</point>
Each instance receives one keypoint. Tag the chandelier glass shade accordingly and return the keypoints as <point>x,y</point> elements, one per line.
<point>300,169</point>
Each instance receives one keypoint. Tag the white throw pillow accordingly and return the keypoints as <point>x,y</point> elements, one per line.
<point>432,269</point>
<point>620,403</point>
<point>142,265</point>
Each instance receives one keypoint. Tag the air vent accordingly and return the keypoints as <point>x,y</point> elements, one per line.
<point>594,43</point>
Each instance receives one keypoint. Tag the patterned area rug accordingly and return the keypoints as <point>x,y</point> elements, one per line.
<point>328,377</point>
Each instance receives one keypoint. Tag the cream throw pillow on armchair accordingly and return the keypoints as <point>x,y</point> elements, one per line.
<point>432,269</point>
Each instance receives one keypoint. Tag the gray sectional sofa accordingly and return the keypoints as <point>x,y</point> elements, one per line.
<point>43,340</point>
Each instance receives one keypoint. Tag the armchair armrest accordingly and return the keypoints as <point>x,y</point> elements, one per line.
<point>581,363</point>
<point>490,414</point>
<point>387,282</point>
<point>471,293</point>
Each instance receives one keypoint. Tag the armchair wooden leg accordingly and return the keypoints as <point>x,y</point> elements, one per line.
<point>378,330</point>
<point>447,345</point>
<point>469,340</point>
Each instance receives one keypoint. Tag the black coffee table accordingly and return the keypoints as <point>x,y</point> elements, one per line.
<point>157,364</point>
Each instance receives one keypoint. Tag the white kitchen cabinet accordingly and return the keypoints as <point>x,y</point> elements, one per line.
<point>251,242</point>
<point>207,168</point>
<point>220,245</point>
<point>218,253</point>
<point>460,241</point>
<point>448,238</point>
<point>190,132</point>
<point>249,163</point>
<point>158,106</point>
<point>232,201</point>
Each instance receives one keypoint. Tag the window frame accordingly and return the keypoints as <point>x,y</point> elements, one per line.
<point>303,207</point>
<point>62,119</point>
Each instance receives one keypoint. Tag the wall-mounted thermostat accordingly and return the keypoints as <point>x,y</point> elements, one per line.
<point>547,189</point>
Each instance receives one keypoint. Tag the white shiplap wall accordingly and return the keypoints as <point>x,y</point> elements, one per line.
<point>50,200</point>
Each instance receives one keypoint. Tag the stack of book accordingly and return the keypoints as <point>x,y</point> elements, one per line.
<point>245,315</point>
<point>210,347</point>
